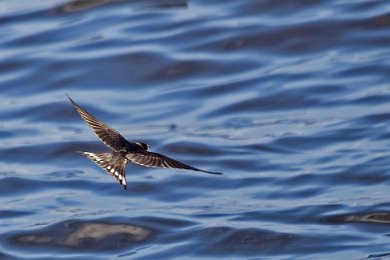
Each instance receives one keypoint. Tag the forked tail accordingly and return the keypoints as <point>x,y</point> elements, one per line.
<point>113,164</point>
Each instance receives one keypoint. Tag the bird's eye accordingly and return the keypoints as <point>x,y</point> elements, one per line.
<point>143,145</point>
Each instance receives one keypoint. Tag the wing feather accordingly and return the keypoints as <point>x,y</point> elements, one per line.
<point>108,135</point>
<point>149,159</point>
<point>114,165</point>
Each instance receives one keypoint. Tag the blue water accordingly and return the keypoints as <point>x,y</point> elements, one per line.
<point>289,99</point>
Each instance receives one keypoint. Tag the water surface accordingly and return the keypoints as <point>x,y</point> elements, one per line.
<point>290,99</point>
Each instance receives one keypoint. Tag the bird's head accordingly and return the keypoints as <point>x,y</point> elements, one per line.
<point>143,145</point>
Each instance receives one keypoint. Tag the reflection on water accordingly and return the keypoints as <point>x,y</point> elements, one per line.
<point>85,236</point>
<point>379,218</point>
<point>82,5</point>
<point>290,99</point>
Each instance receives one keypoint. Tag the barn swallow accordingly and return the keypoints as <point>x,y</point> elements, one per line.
<point>123,151</point>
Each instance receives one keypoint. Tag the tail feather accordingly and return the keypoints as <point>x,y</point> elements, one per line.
<point>112,163</point>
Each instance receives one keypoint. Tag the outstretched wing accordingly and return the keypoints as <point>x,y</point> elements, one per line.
<point>108,135</point>
<point>149,159</point>
<point>114,165</point>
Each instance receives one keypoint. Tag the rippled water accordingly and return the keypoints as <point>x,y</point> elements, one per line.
<point>290,99</point>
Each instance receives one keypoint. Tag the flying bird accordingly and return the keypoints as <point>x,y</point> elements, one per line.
<point>123,151</point>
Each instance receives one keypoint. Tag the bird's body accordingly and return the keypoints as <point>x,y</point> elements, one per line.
<point>123,151</point>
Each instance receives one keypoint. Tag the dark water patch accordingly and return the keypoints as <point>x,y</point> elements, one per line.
<point>9,67</point>
<point>140,64</point>
<point>304,179</point>
<point>33,112</point>
<point>373,119</point>
<point>21,13</point>
<point>76,235</point>
<point>258,241</point>
<point>13,185</point>
<point>279,101</point>
<point>16,133</point>
<point>376,218</point>
<point>4,214</point>
<point>79,5</point>
<point>76,6</point>
<point>303,215</point>
<point>206,183</point>
<point>163,224</point>
<point>246,241</point>
<point>321,140</point>
<point>363,70</point>
<point>378,256</point>
<point>6,256</point>
<point>17,186</point>
<point>252,165</point>
<point>158,192</point>
<point>42,152</point>
<point>46,112</point>
<point>303,192</point>
<point>280,7</point>
<point>373,100</point>
<point>192,149</point>
<point>371,172</point>
<point>313,32</point>
<point>57,74</point>
<point>372,222</point>
<point>229,87</point>
<point>266,148</point>
<point>194,68</point>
